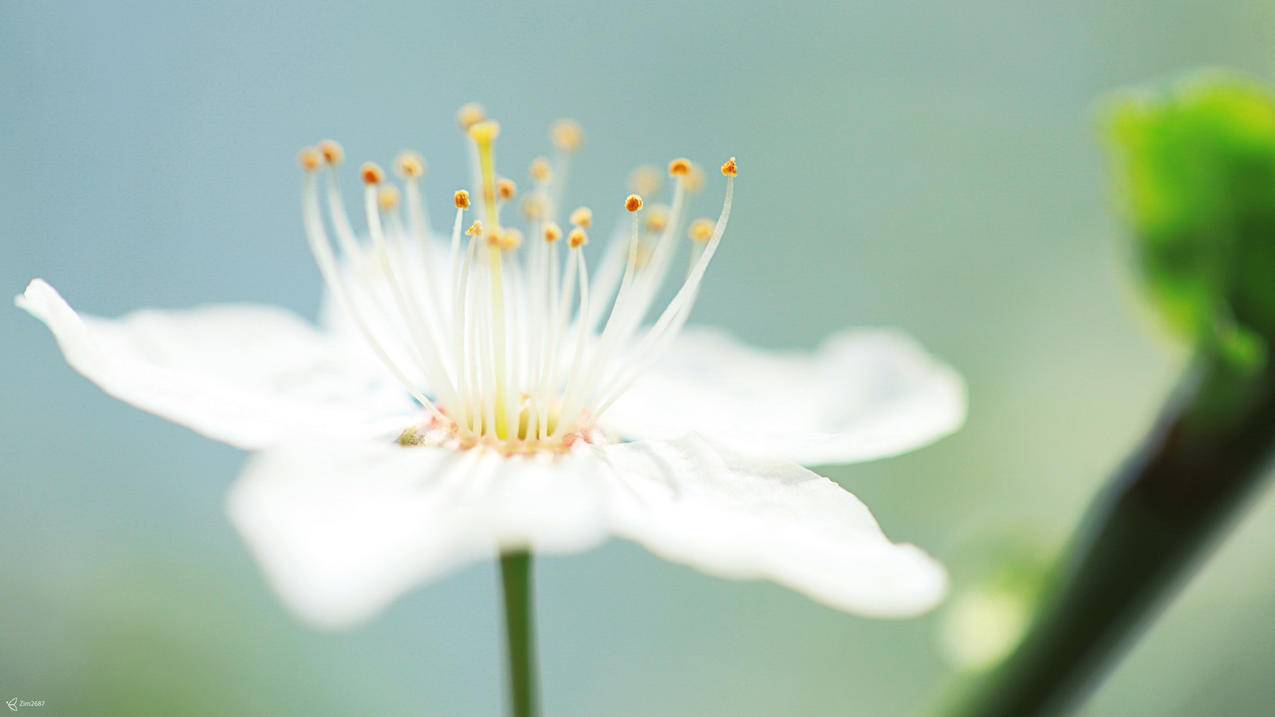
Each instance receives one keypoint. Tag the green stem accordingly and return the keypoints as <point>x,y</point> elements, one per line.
<point>1139,540</point>
<point>520,640</point>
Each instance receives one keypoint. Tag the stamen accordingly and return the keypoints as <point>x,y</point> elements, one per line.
<point>645,180</point>
<point>475,229</point>
<point>409,165</point>
<point>657,218</point>
<point>461,199</point>
<point>567,135</point>
<point>577,238</point>
<point>469,115</point>
<point>310,159</point>
<point>506,189</point>
<point>633,204</point>
<point>332,152</point>
<point>582,217</point>
<point>541,171</point>
<point>701,230</point>
<point>387,198</point>
<point>679,167</point>
<point>372,173</point>
<point>552,232</point>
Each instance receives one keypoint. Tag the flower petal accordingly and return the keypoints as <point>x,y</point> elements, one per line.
<point>863,395</point>
<point>737,517</point>
<point>341,530</point>
<point>251,376</point>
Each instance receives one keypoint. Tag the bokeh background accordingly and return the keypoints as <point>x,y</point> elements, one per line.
<point>933,166</point>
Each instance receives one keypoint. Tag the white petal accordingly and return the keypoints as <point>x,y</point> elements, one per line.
<point>251,376</point>
<point>741,518</point>
<point>863,395</point>
<point>342,530</point>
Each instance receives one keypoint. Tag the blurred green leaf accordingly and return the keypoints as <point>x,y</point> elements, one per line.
<point>1197,167</point>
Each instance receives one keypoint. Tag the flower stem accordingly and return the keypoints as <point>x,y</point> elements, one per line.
<point>520,641</point>
<point>1175,493</point>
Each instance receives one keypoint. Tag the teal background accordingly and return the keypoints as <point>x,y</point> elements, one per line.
<point>928,165</point>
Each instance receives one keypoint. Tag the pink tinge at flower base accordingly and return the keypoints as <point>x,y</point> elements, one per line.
<point>488,391</point>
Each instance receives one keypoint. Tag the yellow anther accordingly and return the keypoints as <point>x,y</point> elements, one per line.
<point>388,198</point>
<point>679,167</point>
<point>645,180</point>
<point>470,115</point>
<point>657,218</point>
<point>694,182</point>
<point>633,203</point>
<point>577,238</point>
<point>701,230</point>
<point>310,159</point>
<point>582,217</point>
<point>552,232</point>
<point>533,208</point>
<point>506,189</point>
<point>372,173</point>
<point>541,170</point>
<point>567,135</point>
<point>475,229</point>
<point>510,239</point>
<point>729,168</point>
<point>484,132</point>
<point>332,152</point>
<point>409,165</point>
<point>461,199</point>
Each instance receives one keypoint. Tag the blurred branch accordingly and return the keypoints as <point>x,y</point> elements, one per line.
<point>1180,488</point>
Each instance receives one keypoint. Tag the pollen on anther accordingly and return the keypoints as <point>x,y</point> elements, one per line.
<point>409,165</point>
<point>633,203</point>
<point>645,180</point>
<point>470,115</point>
<point>729,168</point>
<point>485,131</point>
<point>310,159</point>
<point>332,152</point>
<point>372,173</point>
<point>582,217</point>
<point>679,167</point>
<point>701,230</point>
<point>541,171</point>
<point>510,239</point>
<point>552,232</point>
<point>567,135</point>
<point>461,199</point>
<point>475,229</point>
<point>533,208</point>
<point>387,198</point>
<point>577,238</point>
<point>506,189</point>
<point>657,217</point>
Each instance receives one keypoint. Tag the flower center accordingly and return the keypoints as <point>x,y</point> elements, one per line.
<point>502,336</point>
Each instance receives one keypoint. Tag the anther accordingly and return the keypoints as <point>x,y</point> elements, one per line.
<point>701,230</point>
<point>332,152</point>
<point>730,169</point>
<point>372,173</point>
<point>552,232</point>
<point>694,182</point>
<point>310,159</point>
<point>582,217</point>
<point>541,171</point>
<point>567,135</point>
<point>470,115</point>
<point>645,180</point>
<point>510,239</point>
<point>533,208</point>
<point>506,189</point>
<point>461,199</point>
<point>388,198</point>
<point>485,131</point>
<point>409,165</point>
<point>475,229</point>
<point>657,218</point>
<point>577,238</point>
<point>633,203</point>
<point>679,167</point>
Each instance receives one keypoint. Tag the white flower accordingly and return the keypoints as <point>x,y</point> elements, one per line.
<point>516,402</point>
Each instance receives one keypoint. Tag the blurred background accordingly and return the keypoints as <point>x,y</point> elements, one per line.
<point>925,165</point>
